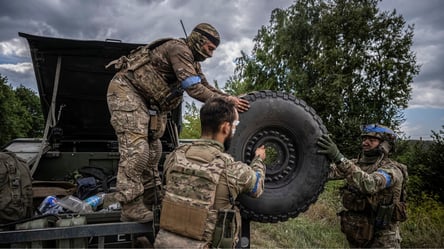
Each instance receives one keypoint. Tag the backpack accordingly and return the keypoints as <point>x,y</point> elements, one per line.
<point>187,206</point>
<point>400,211</point>
<point>15,189</point>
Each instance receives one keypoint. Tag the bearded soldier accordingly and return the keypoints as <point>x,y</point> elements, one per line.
<point>150,83</point>
<point>374,193</point>
<point>202,182</point>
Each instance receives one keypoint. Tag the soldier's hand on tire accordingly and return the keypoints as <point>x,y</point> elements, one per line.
<point>242,105</point>
<point>329,148</point>
<point>260,152</point>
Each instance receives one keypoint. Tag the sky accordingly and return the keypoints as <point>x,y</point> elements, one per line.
<point>238,21</point>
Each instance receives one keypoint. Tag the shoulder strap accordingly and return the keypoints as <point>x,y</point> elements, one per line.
<point>158,42</point>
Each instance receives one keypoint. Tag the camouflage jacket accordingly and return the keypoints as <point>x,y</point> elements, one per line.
<point>380,183</point>
<point>235,178</point>
<point>173,63</point>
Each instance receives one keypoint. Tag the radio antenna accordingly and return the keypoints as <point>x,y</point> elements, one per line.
<point>183,27</point>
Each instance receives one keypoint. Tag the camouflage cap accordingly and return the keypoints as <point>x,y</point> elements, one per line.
<point>208,31</point>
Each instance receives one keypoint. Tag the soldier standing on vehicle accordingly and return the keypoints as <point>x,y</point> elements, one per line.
<point>150,83</point>
<point>374,194</point>
<point>202,182</point>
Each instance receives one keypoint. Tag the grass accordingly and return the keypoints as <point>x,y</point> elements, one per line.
<point>319,226</point>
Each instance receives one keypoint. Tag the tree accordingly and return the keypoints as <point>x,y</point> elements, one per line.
<point>20,113</point>
<point>434,177</point>
<point>191,124</point>
<point>12,114</point>
<point>349,61</point>
<point>425,161</point>
<point>31,102</point>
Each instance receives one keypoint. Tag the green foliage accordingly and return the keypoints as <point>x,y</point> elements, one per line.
<point>425,224</point>
<point>20,113</point>
<point>31,102</point>
<point>319,226</point>
<point>191,125</point>
<point>347,60</point>
<point>425,161</point>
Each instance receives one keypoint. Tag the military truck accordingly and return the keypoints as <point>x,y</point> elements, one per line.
<point>72,81</point>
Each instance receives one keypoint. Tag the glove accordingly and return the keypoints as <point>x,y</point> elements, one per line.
<point>329,148</point>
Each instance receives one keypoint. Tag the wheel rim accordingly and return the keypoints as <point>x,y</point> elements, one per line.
<point>281,157</point>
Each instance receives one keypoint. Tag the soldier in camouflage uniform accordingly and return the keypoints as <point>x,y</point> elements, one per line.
<point>150,83</point>
<point>374,194</point>
<point>202,182</point>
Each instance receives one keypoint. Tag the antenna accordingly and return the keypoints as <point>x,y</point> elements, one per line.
<point>183,27</point>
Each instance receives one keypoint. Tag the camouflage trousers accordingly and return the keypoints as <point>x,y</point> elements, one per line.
<point>139,154</point>
<point>165,239</point>
<point>387,238</point>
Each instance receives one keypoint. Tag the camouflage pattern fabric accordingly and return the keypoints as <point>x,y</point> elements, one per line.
<point>138,157</point>
<point>366,188</point>
<point>157,74</point>
<point>235,178</point>
<point>165,239</point>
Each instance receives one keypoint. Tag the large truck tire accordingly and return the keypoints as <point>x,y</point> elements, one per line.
<point>295,173</point>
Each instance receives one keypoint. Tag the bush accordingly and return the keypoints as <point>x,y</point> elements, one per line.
<point>319,226</point>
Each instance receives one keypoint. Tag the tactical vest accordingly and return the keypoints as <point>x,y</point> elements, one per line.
<point>187,207</point>
<point>139,71</point>
<point>15,189</point>
<point>367,213</point>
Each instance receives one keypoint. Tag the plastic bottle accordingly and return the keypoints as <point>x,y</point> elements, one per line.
<point>75,205</point>
<point>95,200</point>
<point>57,209</point>
<point>47,203</point>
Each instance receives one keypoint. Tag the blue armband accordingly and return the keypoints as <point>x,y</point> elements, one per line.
<point>258,177</point>
<point>190,81</point>
<point>388,178</point>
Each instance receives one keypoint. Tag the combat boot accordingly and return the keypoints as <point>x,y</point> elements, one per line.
<point>136,211</point>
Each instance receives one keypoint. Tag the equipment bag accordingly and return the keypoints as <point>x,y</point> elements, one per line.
<point>15,189</point>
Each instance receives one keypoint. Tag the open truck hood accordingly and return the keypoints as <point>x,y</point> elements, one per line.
<point>80,109</point>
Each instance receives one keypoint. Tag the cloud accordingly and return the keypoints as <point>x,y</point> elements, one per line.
<point>19,74</point>
<point>427,95</point>
<point>238,21</point>
<point>23,68</point>
<point>222,66</point>
<point>427,18</point>
<point>14,47</point>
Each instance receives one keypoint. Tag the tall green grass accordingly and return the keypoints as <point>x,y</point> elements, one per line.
<point>319,226</point>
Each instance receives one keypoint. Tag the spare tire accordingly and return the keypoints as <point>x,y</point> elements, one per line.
<point>295,173</point>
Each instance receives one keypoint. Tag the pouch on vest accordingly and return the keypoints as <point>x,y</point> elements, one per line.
<point>139,71</point>
<point>384,215</point>
<point>400,211</point>
<point>15,189</point>
<point>183,219</point>
<point>357,227</point>
<point>224,232</point>
<point>157,125</point>
<point>352,200</point>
